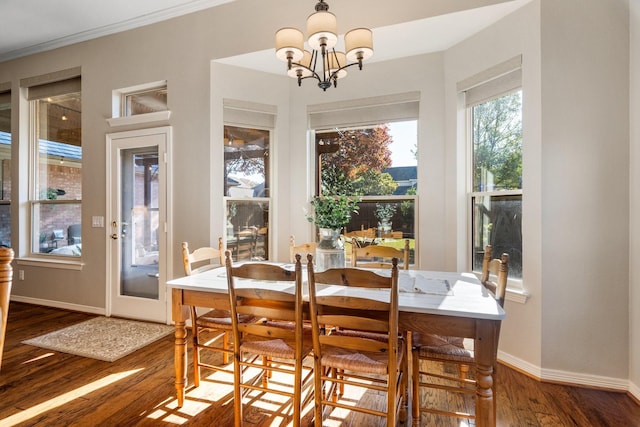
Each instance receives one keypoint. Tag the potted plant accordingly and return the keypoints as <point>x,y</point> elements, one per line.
<point>384,213</point>
<point>330,214</point>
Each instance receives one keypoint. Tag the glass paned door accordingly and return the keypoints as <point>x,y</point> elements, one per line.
<point>137,224</point>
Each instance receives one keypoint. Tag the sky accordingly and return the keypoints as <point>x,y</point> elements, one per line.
<point>405,135</point>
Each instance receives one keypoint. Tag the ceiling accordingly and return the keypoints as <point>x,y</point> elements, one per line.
<point>54,24</point>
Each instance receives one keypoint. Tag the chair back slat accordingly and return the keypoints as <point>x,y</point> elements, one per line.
<point>374,256</point>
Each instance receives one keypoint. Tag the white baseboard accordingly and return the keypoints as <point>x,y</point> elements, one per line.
<point>634,391</point>
<point>58,304</point>
<point>564,377</point>
<point>520,364</point>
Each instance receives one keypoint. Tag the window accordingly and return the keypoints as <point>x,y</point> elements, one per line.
<point>144,100</point>
<point>5,169</point>
<point>379,165</point>
<point>368,148</point>
<point>247,178</point>
<point>56,159</point>
<point>495,194</point>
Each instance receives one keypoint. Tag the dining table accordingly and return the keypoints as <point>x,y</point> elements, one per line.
<point>430,302</point>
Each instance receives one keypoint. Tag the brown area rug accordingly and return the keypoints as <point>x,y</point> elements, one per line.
<point>102,338</point>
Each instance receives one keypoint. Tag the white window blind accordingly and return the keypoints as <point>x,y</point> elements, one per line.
<point>249,114</point>
<point>493,82</point>
<point>365,111</point>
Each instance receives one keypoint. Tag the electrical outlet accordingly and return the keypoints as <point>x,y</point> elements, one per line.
<point>21,274</point>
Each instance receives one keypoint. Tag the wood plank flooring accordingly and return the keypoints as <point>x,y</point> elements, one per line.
<point>46,388</point>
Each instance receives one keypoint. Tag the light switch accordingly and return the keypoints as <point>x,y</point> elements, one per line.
<point>97,221</point>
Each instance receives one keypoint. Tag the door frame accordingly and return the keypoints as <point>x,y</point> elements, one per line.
<point>165,252</point>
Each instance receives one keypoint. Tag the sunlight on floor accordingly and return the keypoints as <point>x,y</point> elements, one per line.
<point>216,388</point>
<point>34,411</point>
<point>35,359</point>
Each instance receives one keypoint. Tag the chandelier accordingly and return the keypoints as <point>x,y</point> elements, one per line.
<point>323,36</point>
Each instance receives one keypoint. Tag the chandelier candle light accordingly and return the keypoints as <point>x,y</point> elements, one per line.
<point>323,36</point>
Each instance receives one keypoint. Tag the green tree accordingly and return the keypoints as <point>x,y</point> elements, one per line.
<point>356,167</point>
<point>497,143</point>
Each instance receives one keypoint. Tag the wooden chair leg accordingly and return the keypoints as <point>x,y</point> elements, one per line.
<point>415,390</point>
<point>225,346</point>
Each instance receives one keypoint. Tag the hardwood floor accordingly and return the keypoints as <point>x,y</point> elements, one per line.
<point>45,388</point>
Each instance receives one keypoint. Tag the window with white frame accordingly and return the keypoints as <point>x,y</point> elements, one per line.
<point>369,150</point>
<point>247,178</point>
<point>5,168</point>
<point>494,111</point>
<point>55,194</point>
<point>144,99</point>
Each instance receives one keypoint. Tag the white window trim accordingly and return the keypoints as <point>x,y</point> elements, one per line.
<point>36,258</point>
<point>509,71</point>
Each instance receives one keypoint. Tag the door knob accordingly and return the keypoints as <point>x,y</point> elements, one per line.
<point>114,236</point>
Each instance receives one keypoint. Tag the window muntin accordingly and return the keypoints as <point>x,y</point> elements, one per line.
<point>5,169</point>
<point>379,165</point>
<point>56,190</point>
<point>496,194</point>
<point>144,101</point>
<point>247,191</point>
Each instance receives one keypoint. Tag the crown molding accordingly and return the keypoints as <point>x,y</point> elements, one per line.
<point>129,24</point>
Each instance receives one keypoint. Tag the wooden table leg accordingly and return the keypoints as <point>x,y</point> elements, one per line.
<point>486,346</point>
<point>180,347</point>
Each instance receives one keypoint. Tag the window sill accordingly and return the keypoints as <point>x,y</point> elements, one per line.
<point>517,295</point>
<point>157,116</point>
<point>63,264</point>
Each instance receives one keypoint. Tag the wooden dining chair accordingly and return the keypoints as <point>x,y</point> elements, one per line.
<point>302,249</point>
<point>210,328</point>
<point>275,344</point>
<point>374,364</point>
<point>379,256</point>
<point>455,351</point>
<point>393,235</point>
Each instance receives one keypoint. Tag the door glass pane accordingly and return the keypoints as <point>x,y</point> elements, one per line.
<point>139,223</point>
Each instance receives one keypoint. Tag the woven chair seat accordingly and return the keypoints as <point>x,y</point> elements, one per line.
<point>306,327</point>
<point>375,363</point>
<point>444,347</point>
<point>220,319</point>
<point>361,334</point>
<point>275,348</point>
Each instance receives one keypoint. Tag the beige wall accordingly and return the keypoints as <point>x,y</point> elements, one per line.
<point>576,177</point>
<point>585,187</point>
